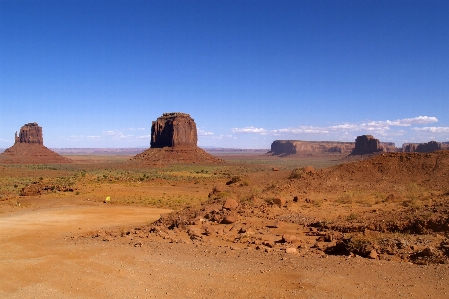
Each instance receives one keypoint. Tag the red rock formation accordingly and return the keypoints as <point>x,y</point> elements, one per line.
<point>430,146</point>
<point>307,148</point>
<point>173,141</point>
<point>30,133</point>
<point>366,144</point>
<point>29,149</point>
<point>174,130</point>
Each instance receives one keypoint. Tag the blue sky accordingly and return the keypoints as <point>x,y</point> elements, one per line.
<point>96,73</point>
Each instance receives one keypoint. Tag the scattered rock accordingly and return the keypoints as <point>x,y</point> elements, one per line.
<point>229,219</point>
<point>291,250</point>
<point>230,204</point>
<point>373,254</point>
<point>280,201</point>
<point>289,238</point>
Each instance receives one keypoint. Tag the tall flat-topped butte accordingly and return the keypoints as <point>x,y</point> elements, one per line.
<point>29,148</point>
<point>174,140</point>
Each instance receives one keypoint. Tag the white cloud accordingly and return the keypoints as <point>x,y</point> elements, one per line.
<point>433,129</point>
<point>405,122</point>
<point>92,137</point>
<point>382,128</point>
<point>303,130</point>
<point>204,133</point>
<point>111,133</point>
<point>227,136</point>
<point>144,137</point>
<point>249,130</point>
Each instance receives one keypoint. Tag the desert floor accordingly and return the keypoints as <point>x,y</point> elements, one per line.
<point>88,230</point>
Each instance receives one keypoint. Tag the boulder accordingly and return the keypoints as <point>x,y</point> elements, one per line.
<point>280,201</point>
<point>230,204</point>
<point>229,219</point>
<point>291,250</point>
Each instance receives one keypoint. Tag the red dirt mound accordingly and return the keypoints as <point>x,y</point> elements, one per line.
<point>31,153</point>
<point>170,155</point>
<point>429,169</point>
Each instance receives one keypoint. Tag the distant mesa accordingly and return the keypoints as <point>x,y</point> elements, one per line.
<point>174,141</point>
<point>430,146</point>
<point>365,144</point>
<point>29,148</point>
<point>310,148</point>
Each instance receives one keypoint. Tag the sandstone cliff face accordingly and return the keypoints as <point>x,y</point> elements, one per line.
<point>174,130</point>
<point>30,133</point>
<point>299,147</point>
<point>366,144</point>
<point>173,141</point>
<point>29,148</point>
<point>430,146</point>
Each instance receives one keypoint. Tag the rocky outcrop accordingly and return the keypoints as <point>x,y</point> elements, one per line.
<point>174,130</point>
<point>173,141</point>
<point>30,133</point>
<point>310,148</point>
<point>430,146</point>
<point>29,149</point>
<point>366,144</point>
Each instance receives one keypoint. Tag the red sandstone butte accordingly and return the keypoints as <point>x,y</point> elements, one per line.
<point>29,148</point>
<point>174,141</point>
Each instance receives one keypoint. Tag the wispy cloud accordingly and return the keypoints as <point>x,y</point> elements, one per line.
<point>204,133</point>
<point>250,130</point>
<point>303,130</point>
<point>110,133</point>
<point>433,129</point>
<point>117,134</point>
<point>378,127</point>
<point>224,136</point>
<point>136,129</point>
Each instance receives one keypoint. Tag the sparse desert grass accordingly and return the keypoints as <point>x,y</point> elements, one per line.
<point>415,195</point>
<point>355,196</point>
<point>296,173</point>
<point>352,216</point>
<point>165,201</point>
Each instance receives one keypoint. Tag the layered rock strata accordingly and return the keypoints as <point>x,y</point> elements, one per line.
<point>29,148</point>
<point>430,146</point>
<point>299,147</point>
<point>30,133</point>
<point>366,144</point>
<point>174,130</point>
<point>325,148</point>
<point>174,141</point>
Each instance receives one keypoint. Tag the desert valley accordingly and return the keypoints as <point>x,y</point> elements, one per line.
<point>301,220</point>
